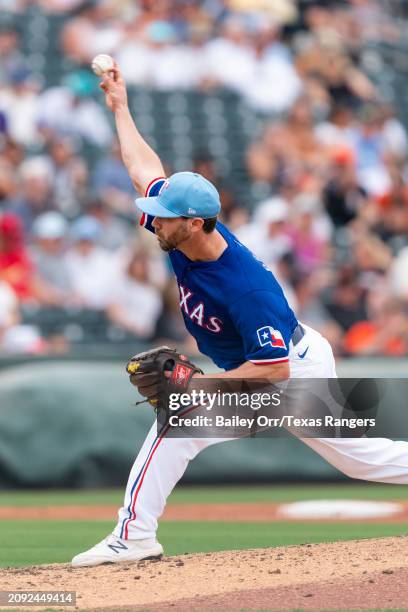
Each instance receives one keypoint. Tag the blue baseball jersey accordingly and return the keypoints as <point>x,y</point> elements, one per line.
<point>234,306</point>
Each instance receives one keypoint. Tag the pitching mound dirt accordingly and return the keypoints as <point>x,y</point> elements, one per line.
<point>355,574</point>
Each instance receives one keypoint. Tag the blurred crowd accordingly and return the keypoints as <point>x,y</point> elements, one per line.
<point>330,159</point>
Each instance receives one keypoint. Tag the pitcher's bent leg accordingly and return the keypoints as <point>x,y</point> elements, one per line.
<point>372,459</point>
<point>158,467</point>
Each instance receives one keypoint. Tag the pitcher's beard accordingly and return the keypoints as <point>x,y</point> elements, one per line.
<point>172,243</point>
<point>167,245</point>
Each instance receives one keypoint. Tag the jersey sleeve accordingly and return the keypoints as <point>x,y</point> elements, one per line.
<point>263,322</point>
<point>153,189</point>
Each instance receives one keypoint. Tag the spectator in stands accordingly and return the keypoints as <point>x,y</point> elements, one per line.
<point>9,309</point>
<point>385,333</point>
<point>60,6</point>
<point>283,12</point>
<point>269,162</point>
<point>111,183</point>
<point>230,58</point>
<point>11,151</point>
<point>394,133</point>
<point>265,156</point>
<point>273,64</point>
<point>399,276</point>
<point>17,285</point>
<point>335,131</point>
<point>134,55</point>
<point>312,311</point>
<point>16,267</point>
<point>135,305</point>
<point>16,338</point>
<point>19,102</point>
<point>343,196</point>
<point>35,193</point>
<point>91,269</point>
<point>251,62</point>
<point>71,110</point>
<point>11,56</point>
<point>162,60</point>
<point>157,263</point>
<point>8,179</point>
<point>115,233</point>
<point>15,6</point>
<point>369,146</point>
<point>266,236</point>
<point>310,200</point>
<point>308,235</point>
<point>371,255</point>
<point>48,254</point>
<point>347,305</point>
<point>70,177</point>
<point>90,31</point>
<point>198,33</point>
<point>325,56</point>
<point>304,148</point>
<point>392,212</point>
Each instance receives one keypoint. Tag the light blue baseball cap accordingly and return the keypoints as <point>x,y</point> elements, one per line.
<point>184,194</point>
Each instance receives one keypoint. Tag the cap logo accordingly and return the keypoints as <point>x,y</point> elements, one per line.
<point>192,211</point>
<point>164,186</point>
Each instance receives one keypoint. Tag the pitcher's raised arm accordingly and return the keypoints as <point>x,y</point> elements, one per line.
<point>142,163</point>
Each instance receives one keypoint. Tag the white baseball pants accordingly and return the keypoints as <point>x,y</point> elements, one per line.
<point>161,462</point>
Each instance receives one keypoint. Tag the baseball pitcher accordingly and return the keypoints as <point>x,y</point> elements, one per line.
<point>238,314</point>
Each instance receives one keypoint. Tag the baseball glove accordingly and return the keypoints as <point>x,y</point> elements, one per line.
<point>159,372</point>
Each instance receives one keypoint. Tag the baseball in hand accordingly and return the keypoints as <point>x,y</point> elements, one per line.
<point>102,63</point>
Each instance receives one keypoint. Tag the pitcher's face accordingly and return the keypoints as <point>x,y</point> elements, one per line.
<point>172,232</point>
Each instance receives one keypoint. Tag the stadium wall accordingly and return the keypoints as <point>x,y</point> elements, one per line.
<point>73,423</point>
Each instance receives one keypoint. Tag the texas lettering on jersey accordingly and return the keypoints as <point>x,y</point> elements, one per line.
<point>197,313</point>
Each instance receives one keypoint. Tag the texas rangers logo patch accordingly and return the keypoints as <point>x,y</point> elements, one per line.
<point>268,335</point>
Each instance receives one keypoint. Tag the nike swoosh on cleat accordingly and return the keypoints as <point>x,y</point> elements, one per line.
<point>302,355</point>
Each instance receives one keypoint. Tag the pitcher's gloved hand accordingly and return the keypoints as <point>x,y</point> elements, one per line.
<point>159,372</point>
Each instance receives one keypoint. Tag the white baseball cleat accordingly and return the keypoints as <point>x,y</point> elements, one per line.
<point>116,550</point>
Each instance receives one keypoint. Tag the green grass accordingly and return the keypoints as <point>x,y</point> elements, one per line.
<point>202,495</point>
<point>33,542</point>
